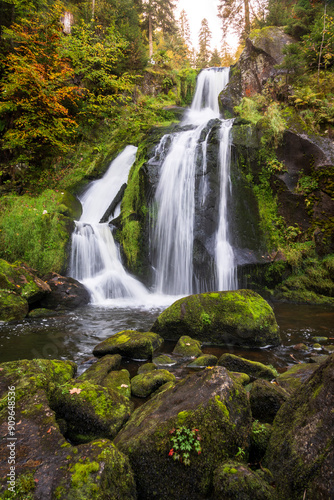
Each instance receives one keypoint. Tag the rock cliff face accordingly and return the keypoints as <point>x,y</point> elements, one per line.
<point>257,63</point>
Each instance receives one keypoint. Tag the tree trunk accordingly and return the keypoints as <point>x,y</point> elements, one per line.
<point>150,35</point>
<point>247,18</point>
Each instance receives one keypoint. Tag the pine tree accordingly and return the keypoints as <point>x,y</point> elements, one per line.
<point>184,28</point>
<point>204,39</point>
<point>158,14</point>
<point>235,16</point>
<point>215,60</point>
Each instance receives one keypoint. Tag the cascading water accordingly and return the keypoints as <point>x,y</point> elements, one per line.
<point>95,259</point>
<point>173,234</point>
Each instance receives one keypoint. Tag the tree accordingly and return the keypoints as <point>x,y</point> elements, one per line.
<point>235,15</point>
<point>215,58</point>
<point>158,14</point>
<point>36,91</point>
<point>204,38</point>
<point>184,29</point>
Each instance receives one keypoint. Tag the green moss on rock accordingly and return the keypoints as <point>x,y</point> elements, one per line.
<point>266,399</point>
<point>238,317</point>
<point>204,361</point>
<point>90,411</point>
<point>187,347</point>
<point>208,400</point>
<point>99,370</point>
<point>12,306</point>
<point>296,376</point>
<point>233,480</point>
<point>144,384</point>
<point>131,344</point>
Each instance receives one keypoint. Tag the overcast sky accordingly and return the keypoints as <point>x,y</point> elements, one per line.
<point>197,10</point>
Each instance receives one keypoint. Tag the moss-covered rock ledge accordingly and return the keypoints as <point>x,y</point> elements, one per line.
<point>240,317</point>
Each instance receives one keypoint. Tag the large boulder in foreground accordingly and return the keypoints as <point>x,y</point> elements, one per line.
<point>209,405</point>
<point>66,293</point>
<point>301,449</point>
<point>240,317</point>
<point>46,465</point>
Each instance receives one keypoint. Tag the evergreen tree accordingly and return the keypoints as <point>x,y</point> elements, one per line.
<point>204,38</point>
<point>158,14</point>
<point>215,60</point>
<point>184,28</point>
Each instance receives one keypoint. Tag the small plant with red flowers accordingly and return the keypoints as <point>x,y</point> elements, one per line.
<point>184,441</point>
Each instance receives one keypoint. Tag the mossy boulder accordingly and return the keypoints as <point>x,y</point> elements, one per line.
<point>187,347</point>
<point>130,344</point>
<point>266,399</point>
<point>90,411</point>
<point>204,361</point>
<point>239,317</point>
<point>300,453</point>
<point>68,205</point>
<point>30,375</point>
<point>240,377</point>
<point>208,400</point>
<point>46,465</point>
<point>66,293</point>
<point>234,480</point>
<point>252,368</point>
<point>22,280</point>
<point>98,371</point>
<point>144,384</point>
<point>97,470</point>
<point>296,376</point>
<point>12,307</point>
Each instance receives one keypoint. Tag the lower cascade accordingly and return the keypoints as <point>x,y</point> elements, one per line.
<point>95,258</point>
<point>181,198</point>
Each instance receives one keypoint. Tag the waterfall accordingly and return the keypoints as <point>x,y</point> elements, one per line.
<point>226,270</point>
<point>172,238</point>
<point>95,258</point>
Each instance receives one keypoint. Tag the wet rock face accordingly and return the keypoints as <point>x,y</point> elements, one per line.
<point>301,449</point>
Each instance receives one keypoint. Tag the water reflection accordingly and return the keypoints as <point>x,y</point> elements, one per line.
<point>74,335</point>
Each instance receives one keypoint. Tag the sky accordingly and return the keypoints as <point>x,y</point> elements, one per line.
<point>197,10</point>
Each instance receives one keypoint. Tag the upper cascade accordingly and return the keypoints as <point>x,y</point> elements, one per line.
<point>205,105</point>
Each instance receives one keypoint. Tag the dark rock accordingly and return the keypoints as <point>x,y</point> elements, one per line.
<point>296,376</point>
<point>209,401</point>
<point>266,399</point>
<point>239,317</point>
<point>233,480</point>
<point>66,293</point>
<point>252,368</point>
<point>300,453</point>
<point>116,201</point>
<point>260,436</point>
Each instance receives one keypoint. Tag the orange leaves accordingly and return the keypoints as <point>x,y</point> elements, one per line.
<point>75,390</point>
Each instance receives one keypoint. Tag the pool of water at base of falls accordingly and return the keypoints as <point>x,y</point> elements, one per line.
<point>73,335</point>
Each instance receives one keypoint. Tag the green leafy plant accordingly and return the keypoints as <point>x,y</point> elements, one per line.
<point>241,454</point>
<point>184,442</point>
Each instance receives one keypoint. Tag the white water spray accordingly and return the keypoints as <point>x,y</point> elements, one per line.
<point>173,235</point>
<point>95,258</point>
